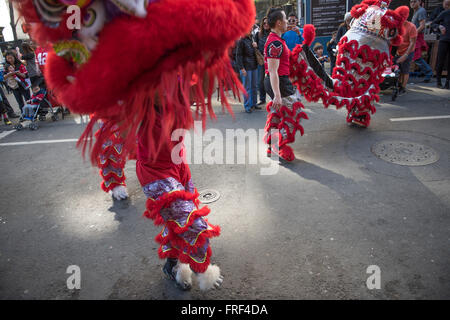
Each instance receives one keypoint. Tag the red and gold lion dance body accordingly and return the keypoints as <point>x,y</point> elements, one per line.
<point>137,66</point>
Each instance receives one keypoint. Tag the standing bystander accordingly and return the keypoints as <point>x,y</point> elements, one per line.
<point>284,111</point>
<point>418,19</point>
<point>293,35</point>
<point>260,40</point>
<point>331,49</point>
<point>248,66</point>
<point>405,51</point>
<point>443,23</point>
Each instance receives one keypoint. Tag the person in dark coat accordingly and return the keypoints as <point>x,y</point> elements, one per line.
<point>33,70</point>
<point>260,41</point>
<point>331,49</point>
<point>344,27</point>
<point>248,67</point>
<point>442,22</point>
<point>15,76</point>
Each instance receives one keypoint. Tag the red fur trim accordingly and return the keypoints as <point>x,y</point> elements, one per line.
<point>39,32</point>
<point>348,91</point>
<point>366,120</point>
<point>358,10</point>
<point>370,2</point>
<point>112,175</point>
<point>155,206</point>
<point>172,56</point>
<point>309,33</point>
<point>270,124</point>
<point>173,110</point>
<point>177,253</point>
<point>287,119</point>
<point>112,185</point>
<point>307,82</point>
<point>196,266</point>
<point>179,242</point>
<point>112,150</point>
<point>391,19</point>
<point>172,253</point>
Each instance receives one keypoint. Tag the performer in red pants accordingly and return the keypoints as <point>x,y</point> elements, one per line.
<point>285,109</point>
<point>111,162</point>
<point>131,66</point>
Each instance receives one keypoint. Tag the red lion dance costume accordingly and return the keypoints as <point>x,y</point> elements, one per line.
<point>363,55</point>
<point>137,66</point>
<point>112,160</point>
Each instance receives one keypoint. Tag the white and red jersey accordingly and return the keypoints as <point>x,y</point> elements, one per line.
<point>41,58</point>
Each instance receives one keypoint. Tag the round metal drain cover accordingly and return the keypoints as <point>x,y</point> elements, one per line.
<point>209,195</point>
<point>405,153</point>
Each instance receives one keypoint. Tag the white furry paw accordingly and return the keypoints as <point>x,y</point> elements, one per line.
<point>183,276</point>
<point>210,279</point>
<point>120,193</point>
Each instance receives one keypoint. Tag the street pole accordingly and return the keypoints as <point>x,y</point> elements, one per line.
<point>11,17</point>
<point>299,10</point>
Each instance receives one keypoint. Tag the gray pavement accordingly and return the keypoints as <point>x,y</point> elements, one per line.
<point>308,232</point>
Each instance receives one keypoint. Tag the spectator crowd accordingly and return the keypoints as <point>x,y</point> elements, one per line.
<point>248,54</point>
<point>22,69</point>
<point>20,73</point>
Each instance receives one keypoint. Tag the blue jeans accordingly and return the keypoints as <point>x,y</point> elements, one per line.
<point>250,85</point>
<point>424,68</point>
<point>28,110</point>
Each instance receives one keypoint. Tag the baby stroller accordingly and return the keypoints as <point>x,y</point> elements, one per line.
<point>40,113</point>
<point>391,76</point>
<point>50,96</point>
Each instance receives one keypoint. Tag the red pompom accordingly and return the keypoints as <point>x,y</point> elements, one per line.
<point>370,2</point>
<point>358,10</point>
<point>309,33</point>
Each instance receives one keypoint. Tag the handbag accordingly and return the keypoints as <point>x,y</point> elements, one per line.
<point>259,57</point>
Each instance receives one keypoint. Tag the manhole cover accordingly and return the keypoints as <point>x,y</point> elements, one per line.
<point>209,195</point>
<point>405,153</point>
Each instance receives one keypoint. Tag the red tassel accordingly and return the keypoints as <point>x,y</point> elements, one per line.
<point>358,10</point>
<point>309,33</point>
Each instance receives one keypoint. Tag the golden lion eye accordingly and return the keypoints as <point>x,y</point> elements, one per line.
<point>89,17</point>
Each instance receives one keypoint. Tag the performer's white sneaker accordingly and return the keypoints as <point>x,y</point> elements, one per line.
<point>119,193</point>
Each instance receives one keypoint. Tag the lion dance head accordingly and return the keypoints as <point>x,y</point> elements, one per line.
<point>130,59</point>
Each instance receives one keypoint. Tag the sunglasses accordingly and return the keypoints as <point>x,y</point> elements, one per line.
<point>292,21</point>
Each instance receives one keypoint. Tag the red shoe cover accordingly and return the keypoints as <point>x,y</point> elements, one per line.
<point>286,153</point>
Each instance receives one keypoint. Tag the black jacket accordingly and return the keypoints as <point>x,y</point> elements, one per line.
<point>443,19</point>
<point>261,40</point>
<point>341,31</point>
<point>245,55</point>
<point>330,46</point>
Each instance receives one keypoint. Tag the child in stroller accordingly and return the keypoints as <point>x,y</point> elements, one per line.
<point>29,110</point>
<point>37,106</point>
